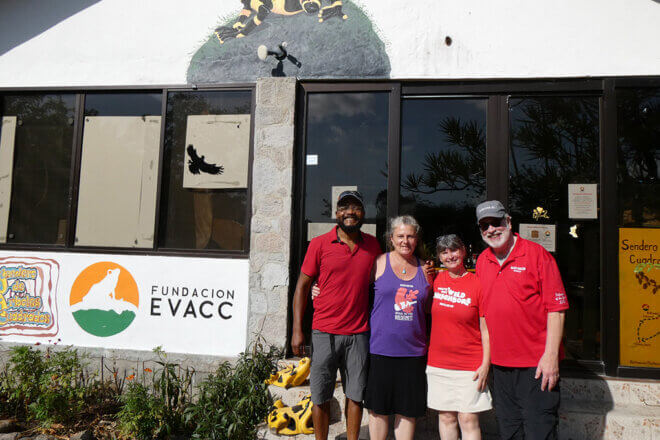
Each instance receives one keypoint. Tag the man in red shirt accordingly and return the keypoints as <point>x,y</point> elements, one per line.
<point>341,261</point>
<point>524,303</point>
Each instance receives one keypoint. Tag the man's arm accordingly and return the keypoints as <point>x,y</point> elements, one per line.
<point>299,305</point>
<point>549,363</point>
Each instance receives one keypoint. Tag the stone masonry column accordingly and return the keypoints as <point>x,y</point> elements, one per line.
<point>270,235</point>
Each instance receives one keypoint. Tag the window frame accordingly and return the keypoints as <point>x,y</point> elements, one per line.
<point>76,155</point>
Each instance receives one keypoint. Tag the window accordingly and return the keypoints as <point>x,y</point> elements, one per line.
<point>443,167</point>
<point>555,143</point>
<point>346,149</point>
<point>204,202</point>
<point>36,142</point>
<point>119,170</point>
<point>639,157</point>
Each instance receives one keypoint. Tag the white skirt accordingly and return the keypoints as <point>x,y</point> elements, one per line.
<point>454,390</point>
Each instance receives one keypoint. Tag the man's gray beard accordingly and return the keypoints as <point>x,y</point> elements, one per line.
<point>349,229</point>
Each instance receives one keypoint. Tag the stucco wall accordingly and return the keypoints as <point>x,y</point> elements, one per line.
<point>122,42</point>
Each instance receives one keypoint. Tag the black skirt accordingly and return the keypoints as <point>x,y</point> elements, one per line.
<point>396,385</point>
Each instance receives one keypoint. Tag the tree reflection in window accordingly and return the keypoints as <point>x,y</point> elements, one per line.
<point>638,116</point>
<point>555,142</point>
<point>443,166</point>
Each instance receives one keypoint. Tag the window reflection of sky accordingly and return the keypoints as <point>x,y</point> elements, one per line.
<point>348,132</point>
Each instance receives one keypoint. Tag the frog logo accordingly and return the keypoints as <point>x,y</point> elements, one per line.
<point>404,300</point>
<point>104,299</point>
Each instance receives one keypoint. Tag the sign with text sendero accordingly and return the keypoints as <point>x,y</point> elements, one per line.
<point>185,305</point>
<point>639,296</point>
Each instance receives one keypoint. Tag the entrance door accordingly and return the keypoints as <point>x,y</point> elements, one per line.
<point>436,156</point>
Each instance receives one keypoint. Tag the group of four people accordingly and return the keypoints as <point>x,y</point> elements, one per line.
<point>509,314</point>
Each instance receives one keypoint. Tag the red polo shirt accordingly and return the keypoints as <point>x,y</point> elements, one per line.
<point>517,298</point>
<point>342,307</point>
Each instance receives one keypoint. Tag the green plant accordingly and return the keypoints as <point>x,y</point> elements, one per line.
<point>156,410</point>
<point>138,416</point>
<point>62,387</point>
<point>23,376</point>
<point>234,400</point>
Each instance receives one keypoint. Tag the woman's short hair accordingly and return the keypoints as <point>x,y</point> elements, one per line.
<point>449,241</point>
<point>395,222</point>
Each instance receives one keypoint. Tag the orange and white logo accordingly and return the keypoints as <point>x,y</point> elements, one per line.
<point>104,299</point>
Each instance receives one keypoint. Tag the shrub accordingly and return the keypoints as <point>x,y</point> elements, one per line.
<point>45,386</point>
<point>156,410</point>
<point>234,400</point>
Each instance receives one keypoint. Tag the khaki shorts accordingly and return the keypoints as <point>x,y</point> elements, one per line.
<point>347,353</point>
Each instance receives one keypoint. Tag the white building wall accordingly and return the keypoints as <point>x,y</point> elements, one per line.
<point>123,42</point>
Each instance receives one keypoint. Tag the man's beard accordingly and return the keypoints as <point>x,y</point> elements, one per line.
<point>349,229</point>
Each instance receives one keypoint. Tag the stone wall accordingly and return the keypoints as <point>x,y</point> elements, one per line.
<point>272,186</point>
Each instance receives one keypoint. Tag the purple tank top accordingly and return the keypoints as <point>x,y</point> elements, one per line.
<point>398,319</point>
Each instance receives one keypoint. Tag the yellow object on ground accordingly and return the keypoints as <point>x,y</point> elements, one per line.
<point>292,420</point>
<point>291,375</point>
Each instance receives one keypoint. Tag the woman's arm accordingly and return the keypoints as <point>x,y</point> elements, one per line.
<point>481,375</point>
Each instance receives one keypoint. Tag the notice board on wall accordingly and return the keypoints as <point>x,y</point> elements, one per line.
<point>639,297</point>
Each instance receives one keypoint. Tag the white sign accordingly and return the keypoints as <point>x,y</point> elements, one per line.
<point>583,200</point>
<point>312,159</point>
<point>545,235</point>
<point>216,151</point>
<point>185,305</point>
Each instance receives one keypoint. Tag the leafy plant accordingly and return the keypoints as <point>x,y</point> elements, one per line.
<point>156,410</point>
<point>21,383</point>
<point>233,400</point>
<point>62,387</point>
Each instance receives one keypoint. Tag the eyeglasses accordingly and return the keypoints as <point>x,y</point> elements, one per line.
<point>351,206</point>
<point>496,223</point>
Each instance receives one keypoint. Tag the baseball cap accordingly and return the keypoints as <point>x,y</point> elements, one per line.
<point>354,194</point>
<point>491,208</point>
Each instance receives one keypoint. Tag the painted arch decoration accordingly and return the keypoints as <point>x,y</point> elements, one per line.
<point>306,38</point>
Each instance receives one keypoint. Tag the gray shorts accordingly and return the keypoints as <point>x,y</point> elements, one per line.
<point>349,354</point>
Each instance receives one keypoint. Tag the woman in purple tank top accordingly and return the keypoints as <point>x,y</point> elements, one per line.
<point>397,381</point>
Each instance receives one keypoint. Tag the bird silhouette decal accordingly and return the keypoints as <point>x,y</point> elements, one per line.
<point>197,164</point>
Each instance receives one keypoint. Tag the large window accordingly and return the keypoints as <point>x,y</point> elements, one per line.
<point>107,169</point>
<point>36,143</point>
<point>205,173</point>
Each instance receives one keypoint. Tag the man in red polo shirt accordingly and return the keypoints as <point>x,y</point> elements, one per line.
<point>341,261</point>
<point>524,303</point>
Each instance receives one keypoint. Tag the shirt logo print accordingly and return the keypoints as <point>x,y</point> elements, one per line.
<point>518,269</point>
<point>404,300</point>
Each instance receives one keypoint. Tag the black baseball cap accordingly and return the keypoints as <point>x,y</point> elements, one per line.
<point>354,194</point>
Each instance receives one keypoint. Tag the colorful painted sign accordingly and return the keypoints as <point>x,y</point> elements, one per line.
<point>129,302</point>
<point>28,303</point>
<point>639,296</point>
